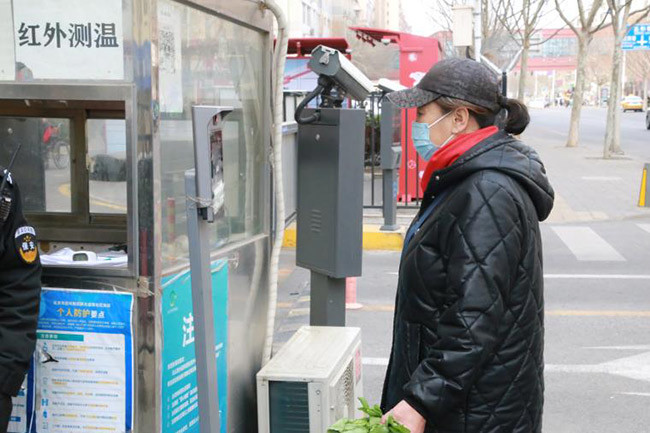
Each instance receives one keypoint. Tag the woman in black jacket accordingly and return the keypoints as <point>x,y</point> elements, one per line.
<point>468,335</point>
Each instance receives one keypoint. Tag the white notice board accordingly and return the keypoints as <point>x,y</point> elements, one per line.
<point>7,61</point>
<point>70,39</point>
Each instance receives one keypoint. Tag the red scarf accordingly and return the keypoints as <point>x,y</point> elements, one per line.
<point>446,156</point>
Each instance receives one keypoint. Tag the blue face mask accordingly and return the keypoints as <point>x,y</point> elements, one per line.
<point>423,144</point>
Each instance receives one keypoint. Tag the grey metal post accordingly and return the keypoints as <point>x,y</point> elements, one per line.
<point>389,200</point>
<point>198,231</point>
<point>327,300</point>
<point>391,154</point>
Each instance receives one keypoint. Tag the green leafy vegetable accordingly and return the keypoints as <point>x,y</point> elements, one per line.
<point>371,423</point>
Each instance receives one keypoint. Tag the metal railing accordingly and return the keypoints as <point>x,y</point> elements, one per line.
<point>372,155</point>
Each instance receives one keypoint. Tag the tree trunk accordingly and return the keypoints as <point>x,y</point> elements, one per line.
<point>645,90</point>
<point>578,94</point>
<point>523,72</point>
<point>612,133</point>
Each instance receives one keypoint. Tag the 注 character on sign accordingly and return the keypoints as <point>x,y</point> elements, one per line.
<point>188,330</point>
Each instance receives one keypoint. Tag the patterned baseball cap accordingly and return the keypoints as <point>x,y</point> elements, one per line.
<point>458,78</point>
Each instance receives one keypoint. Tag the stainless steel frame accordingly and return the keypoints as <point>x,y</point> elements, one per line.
<point>248,259</point>
<point>68,226</point>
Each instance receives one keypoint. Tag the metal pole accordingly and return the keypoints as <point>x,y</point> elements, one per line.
<point>624,74</point>
<point>553,88</point>
<point>504,83</point>
<point>198,231</point>
<point>372,150</point>
<point>478,31</point>
<point>327,300</point>
<point>405,160</point>
<point>390,200</point>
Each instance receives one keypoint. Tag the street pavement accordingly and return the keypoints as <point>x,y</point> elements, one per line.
<point>597,284</point>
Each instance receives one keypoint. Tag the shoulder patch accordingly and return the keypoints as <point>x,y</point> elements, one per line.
<point>10,180</point>
<point>26,244</point>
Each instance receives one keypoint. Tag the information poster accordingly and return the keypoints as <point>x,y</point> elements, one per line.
<point>180,410</point>
<point>170,60</point>
<point>83,375</point>
<point>69,39</point>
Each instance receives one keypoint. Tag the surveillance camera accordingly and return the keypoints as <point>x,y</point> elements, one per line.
<point>387,86</point>
<point>385,41</point>
<point>328,62</point>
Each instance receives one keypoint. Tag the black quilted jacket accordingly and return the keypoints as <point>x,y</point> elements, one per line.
<point>468,331</point>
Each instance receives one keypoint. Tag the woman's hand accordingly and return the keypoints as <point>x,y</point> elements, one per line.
<point>407,416</point>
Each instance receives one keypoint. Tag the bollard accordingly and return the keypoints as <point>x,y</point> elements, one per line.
<point>351,294</point>
<point>644,187</point>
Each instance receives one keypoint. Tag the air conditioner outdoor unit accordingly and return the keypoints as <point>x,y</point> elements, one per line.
<point>312,382</point>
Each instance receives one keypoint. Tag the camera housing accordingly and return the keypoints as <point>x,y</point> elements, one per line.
<point>328,62</point>
<point>387,86</point>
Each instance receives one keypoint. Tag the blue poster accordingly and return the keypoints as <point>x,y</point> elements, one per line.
<point>83,375</point>
<point>180,412</point>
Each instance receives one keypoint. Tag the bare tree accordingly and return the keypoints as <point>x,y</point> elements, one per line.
<point>620,11</point>
<point>521,19</point>
<point>638,68</point>
<point>599,61</point>
<point>585,28</point>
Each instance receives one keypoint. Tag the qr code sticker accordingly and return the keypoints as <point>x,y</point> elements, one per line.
<point>167,51</point>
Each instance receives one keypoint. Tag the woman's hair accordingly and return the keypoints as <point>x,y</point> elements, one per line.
<point>515,122</point>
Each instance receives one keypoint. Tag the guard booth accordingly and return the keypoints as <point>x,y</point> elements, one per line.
<point>99,93</point>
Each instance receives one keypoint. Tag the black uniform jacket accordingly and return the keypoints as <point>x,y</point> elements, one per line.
<point>20,288</point>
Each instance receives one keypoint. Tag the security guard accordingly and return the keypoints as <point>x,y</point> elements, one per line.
<point>20,288</point>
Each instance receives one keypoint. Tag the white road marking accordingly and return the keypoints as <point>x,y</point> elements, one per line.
<point>587,245</point>
<point>645,227</point>
<point>597,277</point>
<point>380,362</point>
<point>635,367</point>
<point>640,394</point>
<point>640,347</point>
<point>602,178</point>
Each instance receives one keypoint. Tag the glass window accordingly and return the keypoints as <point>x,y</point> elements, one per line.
<point>211,62</point>
<point>106,140</point>
<point>42,167</point>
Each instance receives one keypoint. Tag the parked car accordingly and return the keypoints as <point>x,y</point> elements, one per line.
<point>632,103</point>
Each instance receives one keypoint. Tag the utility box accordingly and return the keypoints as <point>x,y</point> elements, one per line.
<point>463,25</point>
<point>330,192</point>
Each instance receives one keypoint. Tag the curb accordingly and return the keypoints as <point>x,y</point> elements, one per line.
<point>373,238</point>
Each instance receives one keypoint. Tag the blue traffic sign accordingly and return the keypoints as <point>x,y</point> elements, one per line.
<point>637,38</point>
